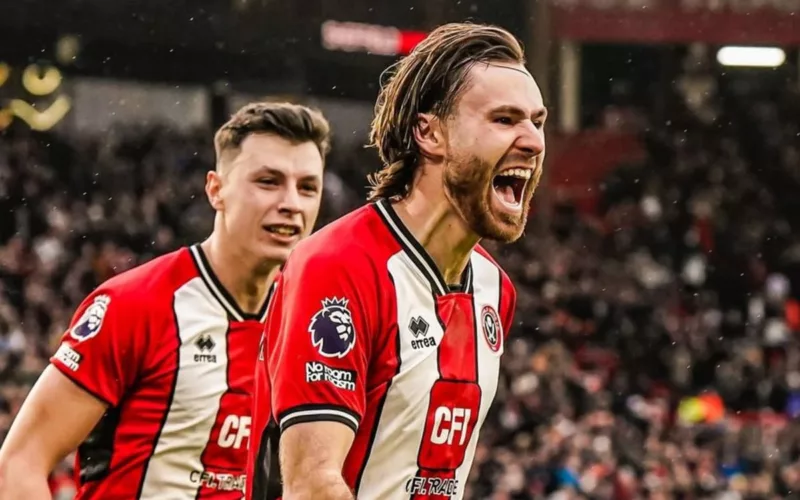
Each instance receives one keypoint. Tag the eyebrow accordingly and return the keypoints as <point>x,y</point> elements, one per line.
<point>267,170</point>
<point>518,112</point>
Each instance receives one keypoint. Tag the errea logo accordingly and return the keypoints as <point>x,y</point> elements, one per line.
<point>205,347</point>
<point>419,329</point>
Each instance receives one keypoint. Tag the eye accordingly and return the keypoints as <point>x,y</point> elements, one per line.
<point>309,188</point>
<point>504,120</point>
<point>267,181</point>
<point>538,124</point>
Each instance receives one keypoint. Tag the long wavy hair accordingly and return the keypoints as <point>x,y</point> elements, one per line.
<point>429,80</point>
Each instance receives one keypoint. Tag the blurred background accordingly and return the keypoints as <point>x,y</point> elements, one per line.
<point>655,353</point>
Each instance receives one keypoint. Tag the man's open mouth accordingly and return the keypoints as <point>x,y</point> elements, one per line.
<point>510,185</point>
<point>283,229</point>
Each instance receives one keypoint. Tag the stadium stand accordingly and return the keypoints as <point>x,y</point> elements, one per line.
<point>655,352</point>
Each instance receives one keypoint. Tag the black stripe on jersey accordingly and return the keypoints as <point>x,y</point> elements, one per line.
<point>417,253</point>
<point>96,451</point>
<point>262,314</point>
<point>267,484</point>
<point>319,413</point>
<point>168,406</point>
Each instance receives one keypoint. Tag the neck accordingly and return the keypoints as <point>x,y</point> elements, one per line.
<point>246,278</point>
<point>440,230</point>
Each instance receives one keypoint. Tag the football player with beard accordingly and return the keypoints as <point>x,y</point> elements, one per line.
<point>382,347</point>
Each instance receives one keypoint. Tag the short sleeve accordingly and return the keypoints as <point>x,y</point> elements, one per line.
<point>98,350</point>
<point>319,334</point>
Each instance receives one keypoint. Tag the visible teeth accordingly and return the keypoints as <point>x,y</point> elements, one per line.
<point>284,230</point>
<point>520,173</point>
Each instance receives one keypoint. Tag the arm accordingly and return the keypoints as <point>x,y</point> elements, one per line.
<point>318,352</point>
<point>55,418</point>
<point>312,456</point>
<point>90,372</point>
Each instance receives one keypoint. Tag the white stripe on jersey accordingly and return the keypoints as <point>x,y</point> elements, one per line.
<point>409,247</point>
<point>393,457</point>
<point>199,386</point>
<point>207,275</point>
<point>486,279</point>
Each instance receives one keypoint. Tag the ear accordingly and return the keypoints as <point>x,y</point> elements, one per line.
<point>213,188</point>
<point>429,136</point>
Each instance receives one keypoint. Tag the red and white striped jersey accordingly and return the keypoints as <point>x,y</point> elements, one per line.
<point>363,330</point>
<point>172,355</point>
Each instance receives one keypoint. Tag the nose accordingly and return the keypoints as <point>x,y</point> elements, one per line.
<point>290,201</point>
<point>531,139</point>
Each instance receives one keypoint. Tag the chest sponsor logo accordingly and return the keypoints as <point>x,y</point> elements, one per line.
<point>451,420</point>
<point>450,423</point>
<point>218,480</point>
<point>432,487</point>
<point>235,432</point>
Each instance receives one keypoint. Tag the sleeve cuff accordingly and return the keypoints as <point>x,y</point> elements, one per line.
<point>70,375</point>
<point>319,413</point>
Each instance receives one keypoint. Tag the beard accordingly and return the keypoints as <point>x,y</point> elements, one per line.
<point>468,185</point>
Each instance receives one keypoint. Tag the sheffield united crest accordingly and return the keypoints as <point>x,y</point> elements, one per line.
<point>492,329</point>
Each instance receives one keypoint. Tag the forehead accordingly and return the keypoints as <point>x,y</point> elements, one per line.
<point>500,84</point>
<point>268,150</point>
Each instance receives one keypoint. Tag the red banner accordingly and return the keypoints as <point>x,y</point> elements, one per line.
<point>370,38</point>
<point>679,21</point>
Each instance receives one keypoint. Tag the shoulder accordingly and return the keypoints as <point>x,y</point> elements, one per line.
<point>151,283</point>
<point>506,285</point>
<point>352,245</point>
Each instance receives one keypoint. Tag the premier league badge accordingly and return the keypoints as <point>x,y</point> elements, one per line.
<point>92,319</point>
<point>332,330</point>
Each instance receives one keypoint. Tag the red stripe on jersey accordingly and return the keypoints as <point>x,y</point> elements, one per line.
<point>457,351</point>
<point>130,454</point>
<point>454,402</point>
<point>230,435</point>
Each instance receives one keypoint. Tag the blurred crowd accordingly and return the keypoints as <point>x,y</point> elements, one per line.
<point>654,352</point>
<point>656,349</point>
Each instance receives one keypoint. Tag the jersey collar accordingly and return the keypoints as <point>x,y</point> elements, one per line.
<point>221,294</point>
<point>417,253</point>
